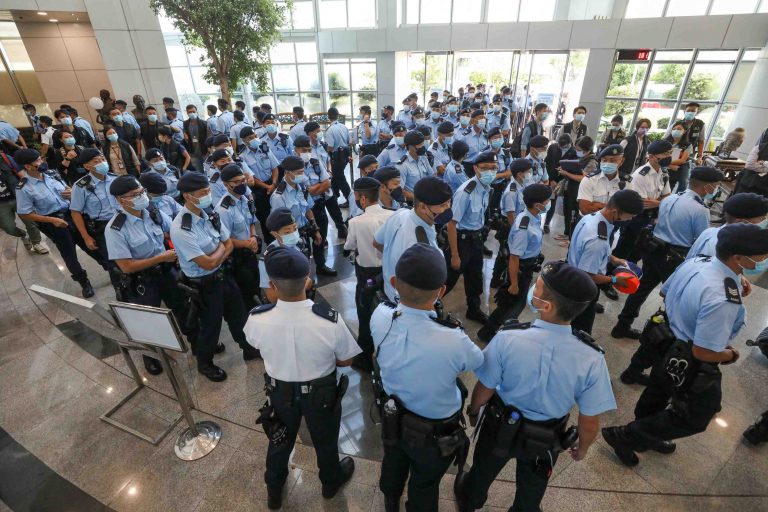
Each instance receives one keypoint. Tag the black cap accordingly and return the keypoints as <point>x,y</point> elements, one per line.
<point>706,174</point>
<point>302,141</point>
<point>570,282</point>
<point>445,127</point>
<point>123,184</point>
<point>192,181</point>
<point>536,193</point>
<point>432,191</point>
<point>366,183</point>
<point>310,127</point>
<point>477,113</point>
<point>220,139</point>
<point>743,239</point>
<point>389,107</point>
<point>89,154</point>
<point>219,154</point>
<point>459,148</point>
<point>165,130</point>
<point>494,131</point>
<point>422,266</point>
<point>208,141</point>
<point>658,147</point>
<point>612,150</point>
<point>425,130</point>
<point>746,205</point>
<point>386,173</point>
<point>520,165</point>
<point>485,157</point>
<point>365,161</point>
<point>269,117</point>
<point>292,163</point>
<point>413,138</point>
<point>26,156</point>
<point>538,141</point>
<point>152,153</point>
<point>153,182</point>
<point>286,263</point>
<point>398,126</point>
<point>231,171</point>
<point>629,201</point>
<point>279,218</point>
<point>265,106</point>
<point>246,131</point>
<point>238,115</point>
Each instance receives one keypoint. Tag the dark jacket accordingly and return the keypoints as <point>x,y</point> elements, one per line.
<point>554,155</point>
<point>633,153</point>
<point>82,138</point>
<point>202,134</point>
<point>149,134</point>
<point>127,132</point>
<point>568,128</point>
<point>125,151</point>
<point>173,152</point>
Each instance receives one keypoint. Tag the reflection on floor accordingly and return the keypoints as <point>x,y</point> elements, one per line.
<point>56,378</point>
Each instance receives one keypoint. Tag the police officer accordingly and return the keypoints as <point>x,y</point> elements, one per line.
<point>396,150</point>
<point>431,205</point>
<point>237,213</point>
<point>170,174</point>
<point>435,118</point>
<point>534,374</point>
<point>682,218</point>
<point>462,127</point>
<point>218,142</point>
<point>259,158</point>
<point>319,147</point>
<point>454,174</point>
<point>523,254</point>
<point>420,358</point>
<point>298,122</point>
<point>367,165</point>
<point>285,231</point>
<point>43,197</point>
<point>596,188</point>
<point>441,147</point>
<point>337,138</point>
<point>234,132</point>
<point>537,152</point>
<point>156,187</point>
<point>476,138</point>
<point>281,144</point>
<point>590,248</point>
<point>384,126</point>
<point>703,302</point>
<point>404,116</point>
<point>414,165</point>
<point>499,116</point>
<point>303,385</point>
<point>203,244</point>
<point>465,234</point>
<point>391,192</point>
<point>367,132</point>
<point>135,242</point>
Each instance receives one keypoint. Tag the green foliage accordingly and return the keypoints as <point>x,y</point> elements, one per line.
<point>614,107</point>
<point>652,136</point>
<point>335,83</point>
<point>626,80</point>
<point>669,74</point>
<point>235,34</point>
<point>662,123</point>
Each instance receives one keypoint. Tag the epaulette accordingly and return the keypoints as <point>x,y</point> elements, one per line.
<point>467,131</point>
<point>644,171</point>
<point>391,146</point>
<point>21,183</point>
<point>314,161</point>
<point>732,294</point>
<point>421,235</point>
<point>214,177</point>
<point>435,146</point>
<point>430,158</point>
<point>593,174</point>
<point>458,168</point>
<point>325,312</point>
<point>602,230</point>
<point>403,159</point>
<point>186,222</point>
<point>264,146</point>
<point>524,221</point>
<point>389,303</point>
<point>228,202</point>
<point>449,322</point>
<point>84,181</point>
<point>703,258</point>
<point>261,309</point>
<point>281,187</point>
<point>471,186</point>
<point>282,135</point>
<point>514,325</point>
<point>119,221</point>
<point>513,186</point>
<point>588,340</point>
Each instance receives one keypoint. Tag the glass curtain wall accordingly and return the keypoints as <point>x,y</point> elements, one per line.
<point>18,83</point>
<point>350,83</point>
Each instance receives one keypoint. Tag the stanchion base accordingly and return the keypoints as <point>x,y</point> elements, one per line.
<point>192,447</point>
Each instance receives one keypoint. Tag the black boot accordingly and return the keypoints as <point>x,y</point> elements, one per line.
<point>611,293</point>
<point>758,433</point>
<point>250,353</point>
<point>220,348</point>
<point>621,330</point>
<point>152,365</point>
<point>663,447</point>
<point>211,371</point>
<point>274,497</point>
<point>485,334</point>
<point>462,503</point>
<point>618,438</point>
<point>599,308</point>
<point>391,503</point>
<point>87,291</point>
<point>478,315</point>
<point>347,468</point>
<point>325,270</point>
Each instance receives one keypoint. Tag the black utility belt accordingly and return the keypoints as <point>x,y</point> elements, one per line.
<point>200,282</point>
<point>304,388</point>
<point>667,245</point>
<point>533,263</point>
<point>243,254</point>
<point>470,234</point>
<point>61,214</point>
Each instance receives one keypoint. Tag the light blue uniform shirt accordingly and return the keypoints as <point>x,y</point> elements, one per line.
<point>213,125</point>
<point>218,189</point>
<point>525,137</point>
<point>383,126</point>
<point>397,234</point>
<point>293,199</point>
<point>441,153</point>
<point>373,139</point>
<point>469,207</point>
<point>201,240</point>
<point>421,359</point>
<point>433,125</point>
<point>8,132</point>
<point>682,218</point>
<point>412,170</point>
<point>178,136</point>
<point>476,142</point>
<point>538,172</point>
<point>171,181</point>
<point>406,117</point>
<point>139,238</point>
<point>98,204</point>
<point>234,132</point>
<point>526,243</point>
<point>128,118</point>
<point>237,218</point>
<point>706,244</point>
<point>297,129</point>
<point>512,198</point>
<point>42,196</point>
<point>697,302</point>
<point>545,370</point>
<point>391,155</point>
<point>226,119</point>
<point>454,120</point>
<point>85,125</point>
<point>454,175</point>
<point>494,120</point>
<point>336,136</point>
<point>461,132</point>
<point>168,206</point>
<point>260,162</point>
<point>279,150</point>
<point>588,251</point>
<point>317,173</point>
<point>319,151</point>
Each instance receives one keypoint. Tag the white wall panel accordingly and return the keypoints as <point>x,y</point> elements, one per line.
<point>507,36</point>
<point>698,32</point>
<point>589,34</point>
<point>554,35</point>
<point>644,33</point>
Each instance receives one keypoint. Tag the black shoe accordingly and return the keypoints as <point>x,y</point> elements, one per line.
<point>477,315</point>
<point>152,365</point>
<point>87,291</point>
<point>546,229</point>
<point>220,348</point>
<point>485,334</point>
<point>632,376</point>
<point>325,270</point>
<point>391,503</point>
<point>251,353</point>
<point>616,437</point>
<point>458,491</point>
<point>611,293</point>
<point>757,433</point>
<point>625,331</point>
<point>487,251</point>
<point>212,372</point>
<point>341,232</point>
<point>347,468</point>
<point>274,498</point>
<point>363,362</point>
<point>663,447</point>
<point>345,205</point>
<point>599,308</point>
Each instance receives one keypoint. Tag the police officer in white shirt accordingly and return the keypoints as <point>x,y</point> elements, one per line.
<point>302,343</point>
<point>597,188</point>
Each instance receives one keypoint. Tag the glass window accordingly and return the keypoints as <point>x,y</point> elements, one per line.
<point>707,81</point>
<point>412,12</point>
<point>337,77</point>
<point>286,102</point>
<point>364,76</point>
<point>750,54</point>
<point>500,11</point>
<point>574,80</point>
<point>312,103</point>
<point>686,8</point>
<point>284,77</point>
<point>18,59</point>
<point>435,77</point>
<point>722,55</point>
<point>201,86</point>
<point>724,121</point>
<point>624,108</point>
<point>537,10</point>
<point>309,77</point>
<point>177,55</point>
<point>282,53</point>
<point>340,100</point>
<point>733,6</point>
<point>435,11</point>
<point>365,98</point>
<point>362,13</point>
<point>645,8</point>
<point>590,9</point>
<point>627,79</point>
<point>183,80</point>
<point>288,24</point>
<point>333,13</point>
<point>739,82</point>
<point>197,56</point>
<point>706,112</point>
<point>303,15</point>
<point>665,80</point>
<point>763,6</point>
<point>660,113</point>
<point>306,52</point>
<point>262,97</point>
<point>467,11</point>
<point>674,55</point>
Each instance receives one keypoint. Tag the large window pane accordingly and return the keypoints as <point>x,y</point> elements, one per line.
<point>436,74</point>
<point>364,77</point>
<point>309,77</point>
<point>282,53</point>
<point>724,121</point>
<point>340,100</point>
<point>707,81</point>
<point>537,10</point>
<point>627,80</point>
<point>740,79</point>
<point>260,98</point>
<point>721,55</point>
<point>287,25</point>
<point>286,102</point>
<point>412,12</point>
<point>665,80</point>
<point>660,113</point>
<point>365,98</point>
<point>686,8</point>
<point>333,13</point>
<point>284,78</point>
<point>416,73</point>
<point>312,103</point>
<point>574,80</point>
<point>645,8</point>
<point>676,55</point>
<point>197,56</point>
<point>201,86</point>
<point>500,11</point>
<point>435,11</point>
<point>303,16</point>
<point>624,108</point>
<point>466,11</point>
<point>183,80</point>
<point>336,76</point>
<point>306,52</point>
<point>733,6</point>
<point>362,13</point>
<point>177,55</point>
<point>589,10</point>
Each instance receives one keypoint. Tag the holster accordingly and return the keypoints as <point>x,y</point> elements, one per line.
<point>195,288</point>
<point>657,331</point>
<point>274,428</point>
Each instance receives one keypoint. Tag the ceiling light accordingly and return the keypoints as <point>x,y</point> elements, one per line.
<point>42,13</point>
<point>132,490</point>
<point>53,20</point>
<point>721,422</point>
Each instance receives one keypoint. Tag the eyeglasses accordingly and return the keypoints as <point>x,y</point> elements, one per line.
<point>134,195</point>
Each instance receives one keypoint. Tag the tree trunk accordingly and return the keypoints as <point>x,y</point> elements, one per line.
<point>224,85</point>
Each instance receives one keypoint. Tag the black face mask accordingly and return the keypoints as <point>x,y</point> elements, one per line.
<point>240,189</point>
<point>421,151</point>
<point>397,194</point>
<point>664,162</point>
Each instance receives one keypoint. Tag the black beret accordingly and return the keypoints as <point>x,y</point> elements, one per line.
<point>89,154</point>
<point>279,218</point>
<point>246,131</point>
<point>707,174</point>
<point>459,148</point>
<point>445,127</point>
<point>286,263</point>
<point>292,163</point>
<point>333,111</point>
<point>239,115</point>
<point>219,154</point>
<point>746,205</point>
<point>432,191</point>
<point>496,97</point>
<point>209,141</point>
<point>485,157</point>
<point>165,130</point>
<point>398,127</point>
<point>123,184</point>
<point>564,139</point>
<point>269,117</point>
<point>629,201</point>
<point>384,174</point>
<point>536,193</point>
<point>658,147</point>
<point>422,266</point>
<point>153,182</point>
<point>152,153</point>
<point>425,130</point>
<point>570,282</point>
<point>417,111</point>
<point>26,156</point>
<point>191,181</point>
<point>494,131</point>
<point>365,161</point>
<point>220,139</point>
<point>413,138</point>
<point>310,127</point>
<point>302,141</point>
<point>743,239</point>
<point>475,106</point>
<point>612,150</point>
<point>520,165</point>
<point>231,171</point>
<point>366,183</point>
<point>389,107</point>
<point>477,113</point>
<point>538,141</point>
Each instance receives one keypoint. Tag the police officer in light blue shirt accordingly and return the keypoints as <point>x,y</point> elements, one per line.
<point>367,165</point>
<point>316,141</point>
<point>226,118</point>
<point>156,187</point>
<point>127,116</point>
<point>420,359</point>
<point>396,150</point>
<point>281,144</point>
<point>213,120</point>
<point>390,192</point>
<point>170,174</point>
<point>234,131</point>
<point>454,174</point>
<point>405,116</point>
<point>441,148</point>
<point>476,139</point>
<point>435,118</point>
<point>512,198</point>
<point>367,130</point>
<point>384,126</point>
<point>536,373</point>
<point>299,121</point>
<point>414,165</point>
<point>498,116</point>
<point>537,152</point>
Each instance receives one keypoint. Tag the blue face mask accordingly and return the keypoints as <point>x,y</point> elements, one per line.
<point>760,267</point>
<point>481,124</point>
<point>192,115</point>
<point>290,239</point>
<point>453,109</point>
<point>546,208</point>
<point>157,199</point>
<point>689,116</point>
<point>141,202</point>
<point>529,300</point>
<point>710,196</point>
<point>271,128</point>
<point>254,144</point>
<point>449,140</point>
<point>159,166</point>
<point>118,118</point>
<point>205,201</point>
<point>487,177</point>
<point>398,140</point>
<point>112,137</point>
<point>579,117</point>
<point>497,143</point>
<point>435,115</point>
<point>300,178</point>
<point>609,167</point>
<point>579,153</point>
<point>152,118</point>
<point>464,120</point>
<point>102,168</point>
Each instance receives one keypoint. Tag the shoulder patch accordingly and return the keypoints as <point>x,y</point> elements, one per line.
<point>524,221</point>
<point>458,168</point>
<point>435,146</point>
<point>326,312</point>
<point>261,309</point>
<point>314,161</point>
<point>84,181</point>
<point>602,230</point>
<point>228,202</point>
<point>732,294</point>
<point>21,183</point>
<point>421,235</point>
<point>403,158</point>
<point>593,174</point>
<point>471,186</point>
<point>283,135</point>
<point>588,340</point>
<point>449,321</point>
<point>644,171</point>
<point>186,222</point>
<point>281,187</point>
<point>514,325</point>
<point>215,177</point>
<point>119,221</point>
<point>391,146</point>
<point>513,186</point>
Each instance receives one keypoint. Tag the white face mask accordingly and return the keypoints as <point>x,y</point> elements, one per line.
<point>306,157</point>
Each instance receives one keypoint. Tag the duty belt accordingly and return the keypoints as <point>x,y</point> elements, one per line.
<point>304,388</point>
<point>470,234</point>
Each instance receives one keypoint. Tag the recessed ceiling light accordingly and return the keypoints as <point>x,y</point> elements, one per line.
<point>42,13</point>
<point>52,20</point>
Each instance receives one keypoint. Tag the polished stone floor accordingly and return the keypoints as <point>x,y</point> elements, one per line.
<point>57,377</point>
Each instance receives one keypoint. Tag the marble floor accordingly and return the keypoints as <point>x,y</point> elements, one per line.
<point>57,377</point>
